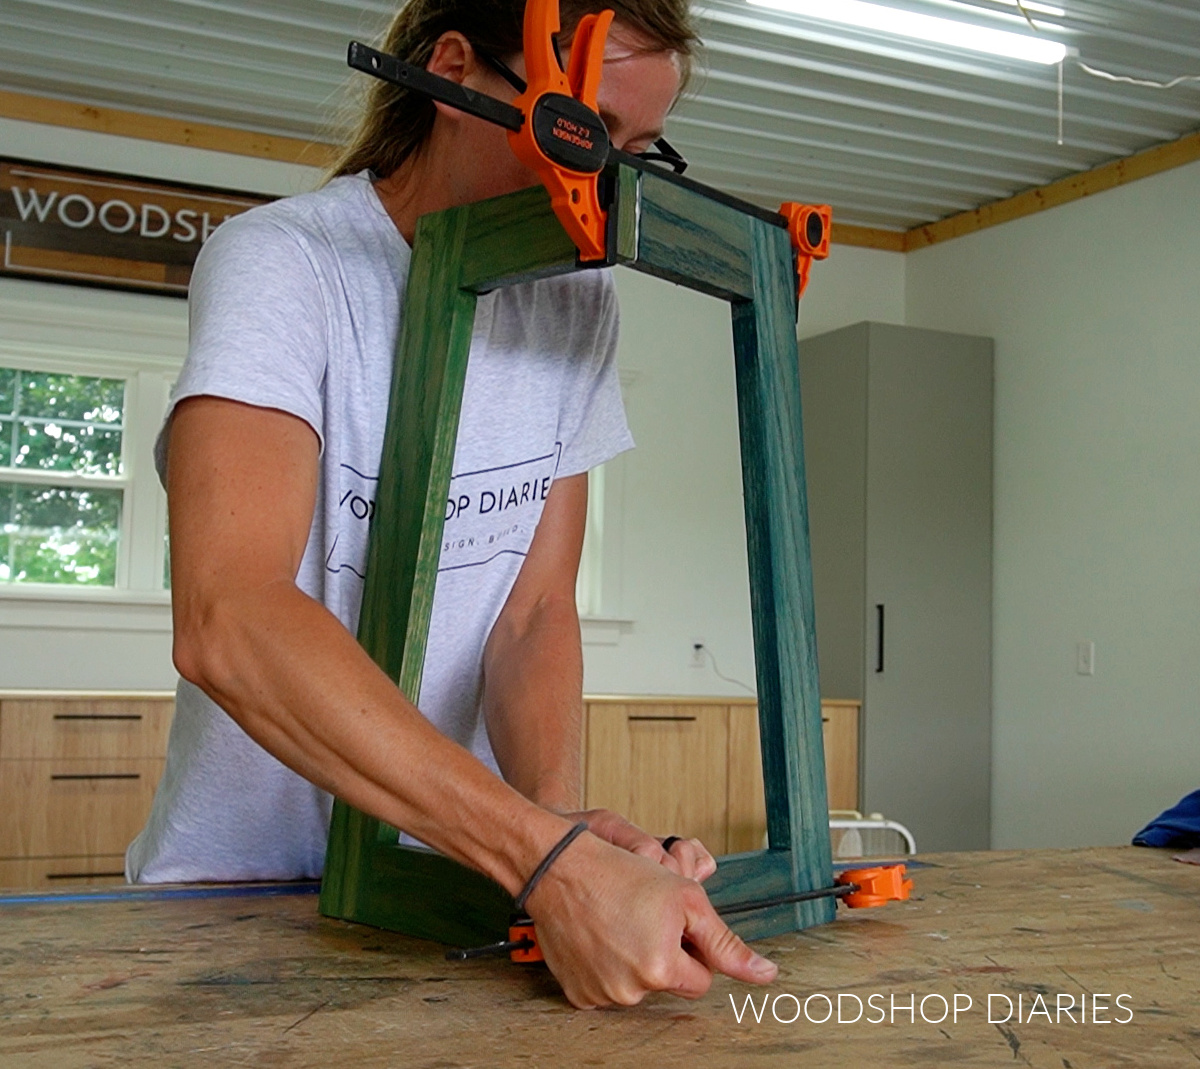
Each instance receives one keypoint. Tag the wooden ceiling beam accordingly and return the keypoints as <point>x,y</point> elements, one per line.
<point>1074,187</point>
<point>78,116</point>
<point>53,112</point>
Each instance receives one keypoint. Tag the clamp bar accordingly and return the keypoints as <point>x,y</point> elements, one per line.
<point>371,61</point>
<point>836,891</point>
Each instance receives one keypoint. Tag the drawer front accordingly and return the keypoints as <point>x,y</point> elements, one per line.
<point>61,873</point>
<point>73,808</point>
<point>661,766</point>
<point>76,730</point>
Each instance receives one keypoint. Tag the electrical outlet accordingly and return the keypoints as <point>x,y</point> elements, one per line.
<point>698,658</point>
<point>1085,658</point>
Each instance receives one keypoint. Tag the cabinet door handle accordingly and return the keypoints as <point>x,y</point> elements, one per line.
<point>83,875</point>
<point>97,716</point>
<point>676,718</point>
<point>96,775</point>
<point>879,642</point>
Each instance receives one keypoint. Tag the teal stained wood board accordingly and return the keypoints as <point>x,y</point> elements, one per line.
<point>675,232</point>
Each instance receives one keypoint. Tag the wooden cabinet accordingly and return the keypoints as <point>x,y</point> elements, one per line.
<point>840,722</point>
<point>77,776</point>
<point>693,767</point>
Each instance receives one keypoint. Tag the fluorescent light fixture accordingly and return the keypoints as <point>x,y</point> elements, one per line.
<point>923,28</point>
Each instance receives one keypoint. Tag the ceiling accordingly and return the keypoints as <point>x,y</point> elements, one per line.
<point>893,133</point>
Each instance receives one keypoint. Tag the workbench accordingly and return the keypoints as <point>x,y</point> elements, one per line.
<point>253,976</point>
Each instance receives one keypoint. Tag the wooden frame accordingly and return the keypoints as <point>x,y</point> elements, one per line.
<point>674,230</point>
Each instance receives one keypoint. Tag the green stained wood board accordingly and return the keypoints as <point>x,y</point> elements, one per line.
<point>672,230</point>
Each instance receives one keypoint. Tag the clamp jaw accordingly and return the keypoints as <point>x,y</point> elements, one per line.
<point>564,140</point>
<point>809,227</point>
<point>858,888</point>
<point>555,129</point>
<point>875,886</point>
<point>553,126</point>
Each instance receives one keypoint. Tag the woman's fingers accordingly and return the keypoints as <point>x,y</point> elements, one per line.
<point>613,928</point>
<point>686,857</point>
<point>690,859</point>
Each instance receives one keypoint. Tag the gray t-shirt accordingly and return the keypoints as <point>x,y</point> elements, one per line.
<point>296,306</point>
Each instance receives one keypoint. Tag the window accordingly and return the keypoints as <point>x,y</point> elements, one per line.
<point>62,482</point>
<point>84,380</point>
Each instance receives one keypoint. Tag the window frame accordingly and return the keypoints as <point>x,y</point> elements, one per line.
<point>52,333</point>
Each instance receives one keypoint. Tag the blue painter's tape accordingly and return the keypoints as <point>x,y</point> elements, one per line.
<point>164,894</point>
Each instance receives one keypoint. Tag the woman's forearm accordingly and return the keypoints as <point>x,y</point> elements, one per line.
<point>532,700</point>
<point>299,684</point>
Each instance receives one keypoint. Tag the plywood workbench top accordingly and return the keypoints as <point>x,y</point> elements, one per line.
<point>263,981</point>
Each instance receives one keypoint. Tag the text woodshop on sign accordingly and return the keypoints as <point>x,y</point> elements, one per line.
<point>107,229</point>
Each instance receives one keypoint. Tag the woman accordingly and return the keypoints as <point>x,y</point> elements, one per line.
<point>270,451</point>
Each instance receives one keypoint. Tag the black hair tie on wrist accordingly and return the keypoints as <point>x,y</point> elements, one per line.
<point>670,841</point>
<point>547,861</point>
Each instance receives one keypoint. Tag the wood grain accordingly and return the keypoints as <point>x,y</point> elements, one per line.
<point>687,239</point>
<point>74,729</point>
<point>1074,187</point>
<point>780,559</point>
<point>74,808</point>
<point>867,237</point>
<point>747,800</point>
<point>840,729</point>
<point>694,241</point>
<point>55,873</point>
<point>663,767</point>
<point>364,868</point>
<point>143,984</point>
<point>136,124</point>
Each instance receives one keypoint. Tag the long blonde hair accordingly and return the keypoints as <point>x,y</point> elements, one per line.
<point>395,122</point>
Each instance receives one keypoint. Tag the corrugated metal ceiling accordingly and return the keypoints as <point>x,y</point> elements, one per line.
<point>893,133</point>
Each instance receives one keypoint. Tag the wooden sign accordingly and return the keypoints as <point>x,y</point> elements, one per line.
<point>96,228</point>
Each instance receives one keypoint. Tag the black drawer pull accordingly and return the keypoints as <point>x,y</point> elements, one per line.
<point>84,875</point>
<point>98,775</point>
<point>668,718</point>
<point>97,716</point>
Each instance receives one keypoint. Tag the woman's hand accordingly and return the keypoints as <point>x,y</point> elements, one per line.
<point>614,926</point>
<point>687,857</point>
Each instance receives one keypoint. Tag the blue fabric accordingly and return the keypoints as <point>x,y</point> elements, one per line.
<point>1178,826</point>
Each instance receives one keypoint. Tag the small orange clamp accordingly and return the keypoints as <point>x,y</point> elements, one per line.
<point>876,887</point>
<point>563,138</point>
<point>809,227</point>
<point>523,942</point>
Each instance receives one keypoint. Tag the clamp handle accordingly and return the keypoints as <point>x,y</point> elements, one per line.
<point>563,139</point>
<point>809,227</point>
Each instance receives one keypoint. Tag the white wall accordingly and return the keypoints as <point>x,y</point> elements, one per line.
<point>852,285</point>
<point>1093,306</point>
<point>105,641</point>
<point>676,561</point>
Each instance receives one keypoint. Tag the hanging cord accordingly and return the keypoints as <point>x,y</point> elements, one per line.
<point>1108,75</point>
<point>719,674</point>
<point>1097,73</point>
<point>1061,62</point>
<point>1136,81</point>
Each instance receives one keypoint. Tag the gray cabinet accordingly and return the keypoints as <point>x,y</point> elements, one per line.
<point>898,444</point>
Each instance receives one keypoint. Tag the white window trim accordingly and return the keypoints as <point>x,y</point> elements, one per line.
<point>598,589</point>
<point>110,335</point>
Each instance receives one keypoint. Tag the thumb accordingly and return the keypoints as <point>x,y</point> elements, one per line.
<point>717,947</point>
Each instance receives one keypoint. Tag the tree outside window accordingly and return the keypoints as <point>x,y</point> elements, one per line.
<point>61,477</point>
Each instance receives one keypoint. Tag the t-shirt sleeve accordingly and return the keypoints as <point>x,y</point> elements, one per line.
<point>593,428</point>
<point>257,328</point>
